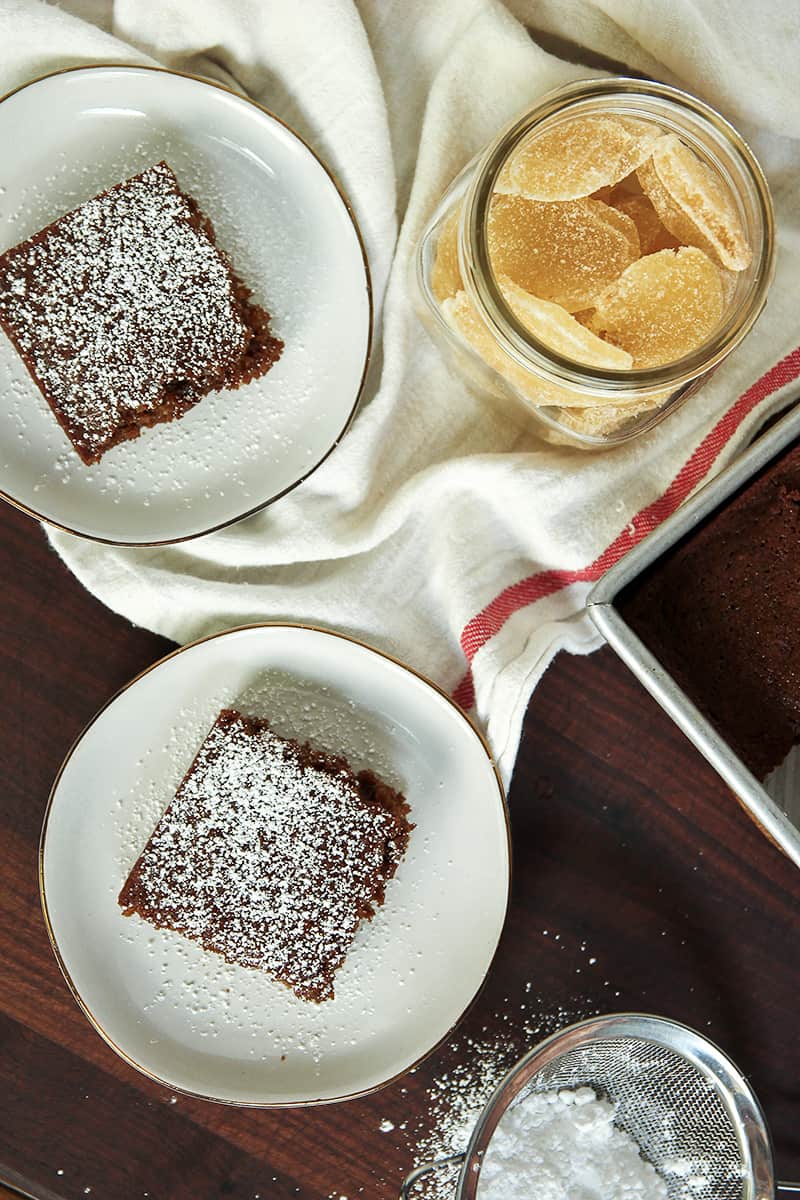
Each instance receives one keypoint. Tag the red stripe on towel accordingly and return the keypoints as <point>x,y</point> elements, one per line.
<point>490,620</point>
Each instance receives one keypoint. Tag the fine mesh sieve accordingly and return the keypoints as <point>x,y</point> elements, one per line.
<point>692,1113</point>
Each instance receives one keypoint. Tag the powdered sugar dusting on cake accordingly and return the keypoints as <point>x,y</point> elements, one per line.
<point>269,854</point>
<point>117,300</point>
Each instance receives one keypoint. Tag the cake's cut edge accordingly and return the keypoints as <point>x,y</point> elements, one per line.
<point>721,611</point>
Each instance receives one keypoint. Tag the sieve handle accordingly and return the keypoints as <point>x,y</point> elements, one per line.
<point>787,1188</point>
<point>411,1180</point>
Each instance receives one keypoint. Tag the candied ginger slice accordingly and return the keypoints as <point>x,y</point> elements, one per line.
<point>653,235</point>
<point>663,306</point>
<point>629,186</point>
<point>462,316</point>
<point>604,419</point>
<point>695,203</point>
<point>610,214</point>
<point>554,326</point>
<point>604,194</point>
<point>446,273</point>
<point>566,252</point>
<point>576,157</point>
<point>730,280</point>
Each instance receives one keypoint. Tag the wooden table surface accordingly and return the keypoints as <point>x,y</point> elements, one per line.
<point>655,890</point>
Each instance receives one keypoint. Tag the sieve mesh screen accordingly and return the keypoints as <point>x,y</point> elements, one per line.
<point>666,1104</point>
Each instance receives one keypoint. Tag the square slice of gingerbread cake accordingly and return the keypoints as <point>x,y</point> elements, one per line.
<point>126,312</point>
<point>270,854</point>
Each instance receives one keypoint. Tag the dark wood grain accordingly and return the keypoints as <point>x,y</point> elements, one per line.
<point>627,846</point>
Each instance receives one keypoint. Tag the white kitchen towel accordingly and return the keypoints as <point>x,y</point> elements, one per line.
<point>441,529</point>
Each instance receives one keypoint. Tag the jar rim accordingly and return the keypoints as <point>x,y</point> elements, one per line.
<point>522,345</point>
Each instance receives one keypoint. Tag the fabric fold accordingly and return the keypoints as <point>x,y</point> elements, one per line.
<point>441,529</point>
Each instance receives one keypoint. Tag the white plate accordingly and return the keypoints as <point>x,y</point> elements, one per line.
<point>181,1014</point>
<point>291,237</point>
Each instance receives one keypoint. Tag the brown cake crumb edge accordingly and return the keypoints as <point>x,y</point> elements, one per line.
<point>374,793</point>
<point>177,397</point>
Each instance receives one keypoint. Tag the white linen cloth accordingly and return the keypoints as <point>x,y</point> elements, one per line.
<point>434,527</point>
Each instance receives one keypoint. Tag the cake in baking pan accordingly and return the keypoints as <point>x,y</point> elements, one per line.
<point>721,612</point>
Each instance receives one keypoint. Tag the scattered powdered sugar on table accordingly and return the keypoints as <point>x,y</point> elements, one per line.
<point>561,1145</point>
<point>473,1067</point>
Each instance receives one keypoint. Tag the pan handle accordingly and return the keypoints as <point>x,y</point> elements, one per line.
<point>413,1178</point>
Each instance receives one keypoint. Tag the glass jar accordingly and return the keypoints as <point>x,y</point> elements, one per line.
<point>588,406</point>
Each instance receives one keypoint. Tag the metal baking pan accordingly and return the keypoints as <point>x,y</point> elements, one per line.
<point>774,806</point>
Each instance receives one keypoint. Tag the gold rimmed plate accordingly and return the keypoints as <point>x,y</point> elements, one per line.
<point>291,236</point>
<point>181,1014</point>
